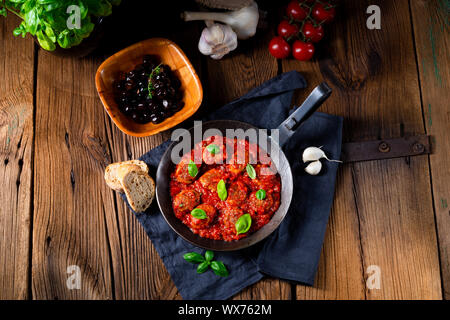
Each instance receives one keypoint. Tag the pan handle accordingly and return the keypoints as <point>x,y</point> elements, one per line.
<point>310,105</point>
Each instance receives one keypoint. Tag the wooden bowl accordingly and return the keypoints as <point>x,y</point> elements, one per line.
<point>126,60</point>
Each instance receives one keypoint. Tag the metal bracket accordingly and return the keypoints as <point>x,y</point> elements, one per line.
<point>386,149</point>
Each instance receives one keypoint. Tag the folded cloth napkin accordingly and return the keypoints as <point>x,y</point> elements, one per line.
<point>292,252</point>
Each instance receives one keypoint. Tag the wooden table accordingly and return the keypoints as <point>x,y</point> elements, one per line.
<point>56,140</point>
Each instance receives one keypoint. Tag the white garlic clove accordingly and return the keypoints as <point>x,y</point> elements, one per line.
<point>243,21</point>
<point>314,168</point>
<point>313,154</point>
<point>217,40</point>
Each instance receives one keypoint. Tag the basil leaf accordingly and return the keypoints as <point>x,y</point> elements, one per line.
<point>250,171</point>
<point>45,42</point>
<point>219,268</point>
<point>198,213</point>
<point>260,194</point>
<point>193,257</point>
<point>202,267</point>
<point>192,169</point>
<point>213,149</point>
<point>243,224</point>
<point>209,255</point>
<point>222,190</point>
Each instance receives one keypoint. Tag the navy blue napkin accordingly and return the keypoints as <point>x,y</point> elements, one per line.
<point>292,252</point>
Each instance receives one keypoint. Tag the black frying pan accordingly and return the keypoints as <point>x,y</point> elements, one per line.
<point>286,130</point>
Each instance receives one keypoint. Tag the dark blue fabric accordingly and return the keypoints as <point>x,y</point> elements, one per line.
<point>292,252</point>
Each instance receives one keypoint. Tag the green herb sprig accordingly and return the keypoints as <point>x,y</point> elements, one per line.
<point>150,86</point>
<point>204,262</point>
<point>47,19</point>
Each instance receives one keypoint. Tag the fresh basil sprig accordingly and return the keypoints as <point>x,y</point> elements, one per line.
<point>207,261</point>
<point>243,224</point>
<point>260,194</point>
<point>192,169</point>
<point>250,171</point>
<point>198,213</point>
<point>222,190</point>
<point>213,149</point>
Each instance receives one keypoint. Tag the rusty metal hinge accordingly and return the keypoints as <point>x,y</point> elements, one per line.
<point>385,149</point>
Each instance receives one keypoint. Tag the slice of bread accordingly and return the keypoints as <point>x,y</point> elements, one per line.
<point>111,172</point>
<point>138,186</point>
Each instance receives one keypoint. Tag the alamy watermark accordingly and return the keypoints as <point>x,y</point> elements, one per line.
<point>74,20</point>
<point>73,282</point>
<point>374,279</point>
<point>374,20</point>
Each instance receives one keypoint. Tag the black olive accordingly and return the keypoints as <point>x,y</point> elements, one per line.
<point>176,83</point>
<point>127,109</point>
<point>176,107</point>
<point>166,104</point>
<point>149,59</point>
<point>156,119</point>
<point>171,91</point>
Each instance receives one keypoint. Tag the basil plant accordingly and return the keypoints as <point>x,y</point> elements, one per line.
<point>57,22</point>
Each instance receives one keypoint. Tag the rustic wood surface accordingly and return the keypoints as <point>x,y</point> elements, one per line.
<point>57,139</point>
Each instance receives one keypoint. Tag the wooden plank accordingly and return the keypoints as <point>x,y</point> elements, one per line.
<point>431,35</point>
<point>16,136</point>
<point>72,204</point>
<point>139,272</point>
<point>387,204</point>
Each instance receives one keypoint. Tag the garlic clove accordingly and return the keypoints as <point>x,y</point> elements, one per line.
<point>312,154</point>
<point>243,21</point>
<point>217,40</point>
<point>314,168</point>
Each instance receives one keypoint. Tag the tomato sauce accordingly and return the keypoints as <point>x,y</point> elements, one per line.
<point>219,163</point>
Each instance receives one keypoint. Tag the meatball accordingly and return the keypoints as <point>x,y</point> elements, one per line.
<point>185,201</point>
<point>203,223</point>
<point>211,178</point>
<point>261,206</point>
<point>242,157</point>
<point>266,177</point>
<point>237,193</point>
<point>182,171</point>
<point>229,217</point>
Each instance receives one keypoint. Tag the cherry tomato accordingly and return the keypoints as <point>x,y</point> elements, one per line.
<point>279,48</point>
<point>323,12</point>
<point>315,34</point>
<point>302,51</point>
<point>285,29</point>
<point>295,11</point>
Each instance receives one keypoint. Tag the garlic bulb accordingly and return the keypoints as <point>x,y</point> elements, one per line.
<point>314,168</point>
<point>217,40</point>
<point>314,153</point>
<point>243,21</point>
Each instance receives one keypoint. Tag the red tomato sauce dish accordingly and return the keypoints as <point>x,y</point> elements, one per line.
<point>224,194</point>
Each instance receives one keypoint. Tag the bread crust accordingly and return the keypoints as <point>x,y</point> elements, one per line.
<point>112,170</point>
<point>131,177</point>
